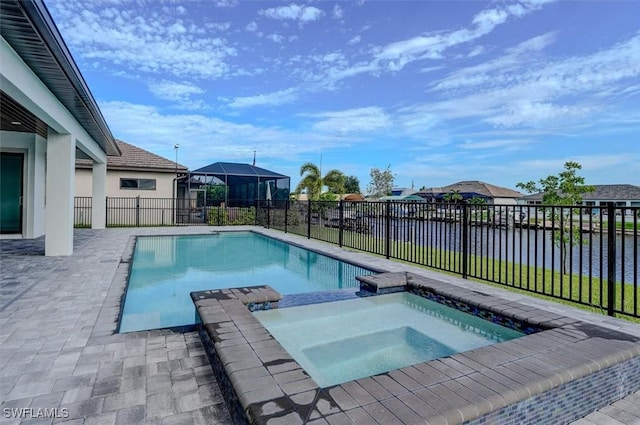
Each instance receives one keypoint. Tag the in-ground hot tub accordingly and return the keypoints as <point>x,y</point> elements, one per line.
<point>340,341</point>
<point>562,372</point>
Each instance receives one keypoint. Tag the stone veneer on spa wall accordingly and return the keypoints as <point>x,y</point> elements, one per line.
<point>563,370</point>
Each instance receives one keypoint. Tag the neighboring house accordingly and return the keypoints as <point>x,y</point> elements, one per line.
<point>136,172</point>
<point>410,197</point>
<point>621,195</point>
<point>244,184</point>
<point>403,191</point>
<point>351,197</point>
<point>473,189</point>
<point>47,120</point>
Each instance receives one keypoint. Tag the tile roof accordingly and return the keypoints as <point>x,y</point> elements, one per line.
<point>474,186</point>
<point>611,192</point>
<point>135,159</point>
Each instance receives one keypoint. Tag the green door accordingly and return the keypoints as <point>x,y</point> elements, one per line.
<point>11,193</point>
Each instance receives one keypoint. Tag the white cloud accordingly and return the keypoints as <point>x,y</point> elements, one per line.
<point>204,139</point>
<point>252,27</point>
<point>513,92</point>
<point>354,40</point>
<point>476,51</point>
<point>217,26</point>
<point>144,43</point>
<point>509,145</point>
<point>174,91</point>
<point>536,113</point>
<point>351,120</point>
<point>276,98</point>
<point>225,3</point>
<point>489,19</point>
<point>588,162</point>
<point>338,12</point>
<point>293,12</point>
<point>395,56</point>
<point>276,38</point>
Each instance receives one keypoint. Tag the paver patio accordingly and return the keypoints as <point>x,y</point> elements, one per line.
<point>58,348</point>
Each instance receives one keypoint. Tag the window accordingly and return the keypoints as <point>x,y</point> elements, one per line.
<point>140,184</point>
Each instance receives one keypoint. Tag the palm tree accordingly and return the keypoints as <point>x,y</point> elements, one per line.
<point>453,196</point>
<point>312,181</point>
<point>477,200</point>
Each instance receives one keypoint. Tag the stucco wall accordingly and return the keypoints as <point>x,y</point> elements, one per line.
<point>505,201</point>
<point>164,184</point>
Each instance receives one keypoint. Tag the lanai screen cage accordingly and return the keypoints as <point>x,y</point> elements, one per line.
<point>235,185</point>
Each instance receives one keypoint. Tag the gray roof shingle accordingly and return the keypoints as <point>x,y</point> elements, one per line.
<point>475,186</point>
<point>135,159</point>
<point>603,192</point>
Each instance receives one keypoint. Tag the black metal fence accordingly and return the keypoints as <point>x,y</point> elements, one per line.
<point>582,254</point>
<point>145,212</point>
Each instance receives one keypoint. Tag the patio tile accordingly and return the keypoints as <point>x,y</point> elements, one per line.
<point>130,415</point>
<point>359,416</point>
<point>389,384</point>
<point>77,302</point>
<point>358,393</point>
<point>28,388</point>
<point>104,419</point>
<point>179,419</point>
<point>77,394</point>
<point>374,388</point>
<point>381,414</point>
<point>339,419</point>
<point>188,402</point>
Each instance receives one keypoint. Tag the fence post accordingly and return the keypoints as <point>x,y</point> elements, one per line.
<point>106,211</point>
<point>257,215</point>
<point>268,214</point>
<point>309,219</point>
<point>611,259</point>
<point>465,240</point>
<point>138,211</point>
<point>286,215</point>
<point>340,223</point>
<point>387,229</point>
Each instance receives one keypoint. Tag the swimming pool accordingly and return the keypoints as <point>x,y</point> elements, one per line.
<point>165,269</point>
<point>341,341</point>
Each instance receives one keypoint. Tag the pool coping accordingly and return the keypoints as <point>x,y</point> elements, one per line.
<point>263,384</point>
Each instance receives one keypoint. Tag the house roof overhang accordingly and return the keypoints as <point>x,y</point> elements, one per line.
<point>28,28</point>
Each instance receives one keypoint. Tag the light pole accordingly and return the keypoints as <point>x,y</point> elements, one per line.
<point>175,148</point>
<point>175,186</point>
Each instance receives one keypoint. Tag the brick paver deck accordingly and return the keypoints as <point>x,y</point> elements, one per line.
<point>58,348</point>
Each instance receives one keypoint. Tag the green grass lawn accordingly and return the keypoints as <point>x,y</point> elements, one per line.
<point>575,289</point>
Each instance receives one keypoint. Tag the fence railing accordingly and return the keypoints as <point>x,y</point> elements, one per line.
<point>144,212</point>
<point>582,254</point>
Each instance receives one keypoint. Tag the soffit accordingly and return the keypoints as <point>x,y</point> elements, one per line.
<point>29,29</point>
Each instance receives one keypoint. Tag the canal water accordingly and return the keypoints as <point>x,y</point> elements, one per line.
<point>534,247</point>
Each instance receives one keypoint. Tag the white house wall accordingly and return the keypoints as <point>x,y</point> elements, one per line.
<point>22,84</point>
<point>164,183</point>
<point>84,182</point>
<point>505,201</point>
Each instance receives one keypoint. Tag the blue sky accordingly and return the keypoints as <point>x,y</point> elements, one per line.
<point>440,91</point>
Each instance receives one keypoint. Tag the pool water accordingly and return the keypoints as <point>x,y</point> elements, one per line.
<point>341,341</point>
<point>166,269</point>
